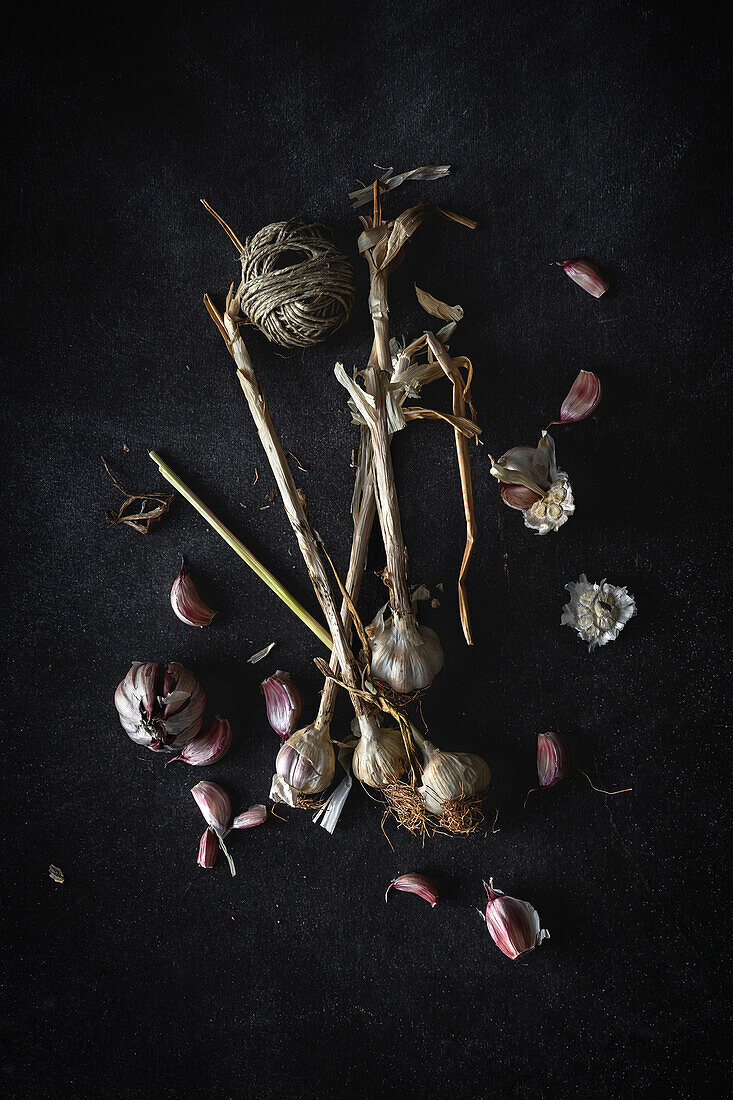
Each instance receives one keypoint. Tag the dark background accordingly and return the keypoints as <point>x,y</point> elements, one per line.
<point>574,129</point>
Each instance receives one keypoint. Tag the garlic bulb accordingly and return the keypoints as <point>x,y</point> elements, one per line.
<point>598,612</point>
<point>405,655</point>
<point>532,483</point>
<point>449,776</point>
<point>160,706</point>
<point>304,766</point>
<point>379,756</point>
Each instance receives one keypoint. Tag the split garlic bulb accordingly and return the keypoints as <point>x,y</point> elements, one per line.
<point>405,655</point>
<point>304,765</point>
<point>160,706</point>
<point>448,776</point>
<point>379,756</point>
<point>532,483</point>
<point>598,612</point>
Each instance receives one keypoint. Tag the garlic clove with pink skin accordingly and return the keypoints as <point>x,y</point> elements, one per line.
<point>208,849</point>
<point>210,746</point>
<point>514,925</point>
<point>415,884</point>
<point>186,602</point>
<point>216,808</point>
<point>582,400</point>
<point>553,760</point>
<point>585,275</point>
<point>160,706</point>
<point>255,815</point>
<point>283,702</point>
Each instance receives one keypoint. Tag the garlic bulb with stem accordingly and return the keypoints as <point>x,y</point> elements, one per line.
<point>405,655</point>
<point>304,766</point>
<point>449,778</point>
<point>160,705</point>
<point>379,755</point>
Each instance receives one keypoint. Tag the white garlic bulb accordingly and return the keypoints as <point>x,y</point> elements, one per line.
<point>405,655</point>
<point>304,766</point>
<point>448,776</point>
<point>379,756</point>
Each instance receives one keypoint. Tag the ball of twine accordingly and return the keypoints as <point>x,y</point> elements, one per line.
<point>297,287</point>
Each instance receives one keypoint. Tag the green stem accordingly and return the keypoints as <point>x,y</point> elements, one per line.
<point>239,548</point>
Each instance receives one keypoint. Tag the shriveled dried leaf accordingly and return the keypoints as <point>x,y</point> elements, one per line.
<point>402,229</point>
<point>388,182</point>
<point>436,308</point>
<point>461,219</point>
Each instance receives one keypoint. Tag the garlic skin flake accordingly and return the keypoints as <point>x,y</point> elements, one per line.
<point>305,765</point>
<point>532,483</point>
<point>598,612</point>
<point>450,776</point>
<point>405,655</point>
<point>160,706</point>
<point>186,602</point>
<point>415,884</point>
<point>514,925</point>
<point>379,756</point>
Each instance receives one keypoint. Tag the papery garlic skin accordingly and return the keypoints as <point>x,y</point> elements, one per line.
<point>598,612</point>
<point>208,747</point>
<point>186,602</point>
<point>553,760</point>
<point>160,706</point>
<point>405,655</point>
<point>532,483</point>
<point>255,815</point>
<point>208,849</point>
<point>450,776</point>
<point>586,276</point>
<point>415,884</point>
<point>305,765</point>
<point>379,756</point>
<point>514,925</point>
<point>283,702</point>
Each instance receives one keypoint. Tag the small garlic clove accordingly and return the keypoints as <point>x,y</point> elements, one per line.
<point>283,702</point>
<point>186,602</point>
<point>553,759</point>
<point>210,746</point>
<point>582,400</point>
<point>415,884</point>
<point>255,815</point>
<point>514,925</point>
<point>214,803</point>
<point>586,276</point>
<point>518,496</point>
<point>208,849</point>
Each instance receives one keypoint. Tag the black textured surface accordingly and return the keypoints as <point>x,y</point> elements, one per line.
<point>585,129</point>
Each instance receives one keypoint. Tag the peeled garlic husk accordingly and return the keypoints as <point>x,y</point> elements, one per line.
<point>598,612</point>
<point>160,706</point>
<point>379,756</point>
<point>304,765</point>
<point>405,655</point>
<point>449,776</point>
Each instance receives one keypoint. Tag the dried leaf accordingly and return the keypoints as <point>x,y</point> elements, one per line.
<point>260,654</point>
<point>403,228</point>
<point>437,308</point>
<point>388,182</point>
<point>153,507</point>
<point>55,873</point>
<point>461,219</point>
